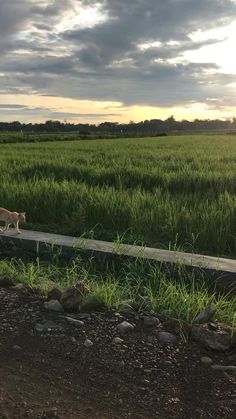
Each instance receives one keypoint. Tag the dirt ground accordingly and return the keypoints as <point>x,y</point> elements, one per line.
<point>51,373</point>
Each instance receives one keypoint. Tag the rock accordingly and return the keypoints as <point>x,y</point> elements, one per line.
<point>177,326</point>
<point>19,286</point>
<point>50,414</point>
<point>148,371</point>
<point>212,326</point>
<point>117,315</point>
<point>206,360</point>
<point>174,400</point>
<point>126,310</point>
<point>72,297</point>
<point>118,340</point>
<point>218,340</point>
<point>88,343</point>
<point>121,364</point>
<point>166,338</point>
<point>17,348</point>
<point>75,321</point>
<point>6,282</point>
<point>151,321</point>
<point>91,304</point>
<point>124,327</point>
<point>55,294</point>
<point>54,305</point>
<point>205,315</point>
<point>217,367</point>
<point>83,316</point>
<point>47,326</point>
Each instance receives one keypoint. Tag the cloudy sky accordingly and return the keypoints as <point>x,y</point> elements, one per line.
<point>117,60</point>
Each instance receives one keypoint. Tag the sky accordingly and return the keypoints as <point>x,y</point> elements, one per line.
<point>117,60</point>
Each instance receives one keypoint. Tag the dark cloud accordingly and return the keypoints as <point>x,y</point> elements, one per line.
<point>39,65</point>
<point>146,21</point>
<point>51,8</point>
<point>21,112</point>
<point>11,106</point>
<point>18,15</point>
<point>81,115</point>
<point>13,15</point>
<point>106,62</point>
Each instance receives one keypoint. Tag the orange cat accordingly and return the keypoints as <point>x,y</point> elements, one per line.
<point>11,218</point>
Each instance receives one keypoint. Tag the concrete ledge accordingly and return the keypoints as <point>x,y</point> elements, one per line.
<point>33,241</point>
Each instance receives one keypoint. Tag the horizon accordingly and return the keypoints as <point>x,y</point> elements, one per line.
<point>230,120</point>
<point>96,61</point>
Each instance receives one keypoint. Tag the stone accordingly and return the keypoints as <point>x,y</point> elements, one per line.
<point>151,321</point>
<point>54,305</point>
<point>116,314</point>
<point>218,340</point>
<point>212,326</point>
<point>75,321</point>
<point>121,364</point>
<point>177,326</point>
<point>6,282</point>
<point>205,315</point>
<point>124,327</point>
<point>118,340</point>
<point>72,297</point>
<point>91,304</point>
<point>126,310</point>
<point>166,338</point>
<point>55,294</point>
<point>224,368</point>
<point>83,316</point>
<point>50,414</point>
<point>17,348</point>
<point>19,286</point>
<point>47,326</point>
<point>206,360</point>
<point>88,343</point>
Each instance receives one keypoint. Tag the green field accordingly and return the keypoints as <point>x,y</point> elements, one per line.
<point>168,192</point>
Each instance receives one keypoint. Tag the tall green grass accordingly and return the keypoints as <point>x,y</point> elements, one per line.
<point>164,192</point>
<point>176,294</point>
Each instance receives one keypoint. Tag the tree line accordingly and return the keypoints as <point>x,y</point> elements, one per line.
<point>153,127</point>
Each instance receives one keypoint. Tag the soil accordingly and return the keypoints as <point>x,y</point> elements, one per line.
<point>52,374</point>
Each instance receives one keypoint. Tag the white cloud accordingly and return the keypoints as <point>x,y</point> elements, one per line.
<point>222,53</point>
<point>81,17</point>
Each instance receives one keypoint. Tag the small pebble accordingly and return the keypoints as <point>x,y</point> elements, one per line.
<point>118,340</point>
<point>75,321</point>
<point>17,348</point>
<point>88,343</point>
<point>54,305</point>
<point>124,327</point>
<point>206,360</point>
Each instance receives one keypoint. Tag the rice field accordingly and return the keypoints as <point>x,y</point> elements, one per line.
<point>168,192</point>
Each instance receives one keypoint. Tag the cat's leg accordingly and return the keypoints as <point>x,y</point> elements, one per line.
<point>17,227</point>
<point>6,227</point>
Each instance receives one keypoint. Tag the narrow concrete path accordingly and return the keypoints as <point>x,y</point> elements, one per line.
<point>160,255</point>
